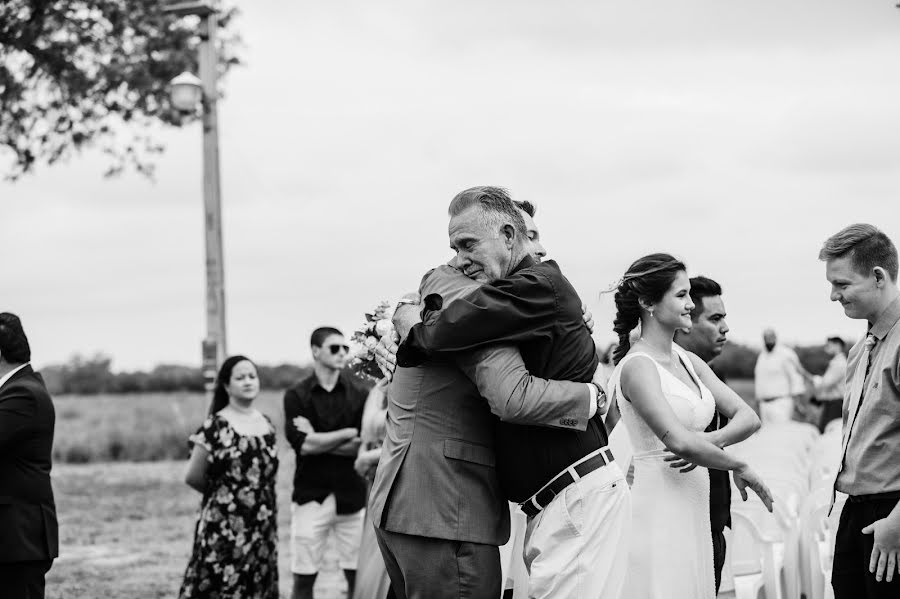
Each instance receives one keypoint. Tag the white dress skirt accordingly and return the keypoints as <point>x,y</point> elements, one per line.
<point>670,552</point>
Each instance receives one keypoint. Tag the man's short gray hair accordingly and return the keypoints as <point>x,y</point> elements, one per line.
<point>494,202</point>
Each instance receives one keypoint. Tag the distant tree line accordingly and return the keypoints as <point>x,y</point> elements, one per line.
<point>93,375</point>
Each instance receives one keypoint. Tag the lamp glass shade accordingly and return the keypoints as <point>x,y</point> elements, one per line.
<point>186,92</point>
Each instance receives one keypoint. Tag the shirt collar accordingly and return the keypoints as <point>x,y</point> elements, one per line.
<point>316,383</point>
<point>887,320</point>
<point>10,374</point>
<point>527,261</point>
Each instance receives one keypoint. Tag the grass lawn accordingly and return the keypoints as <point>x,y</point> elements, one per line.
<point>126,531</point>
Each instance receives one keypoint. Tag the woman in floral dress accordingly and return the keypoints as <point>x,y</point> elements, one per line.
<point>233,463</point>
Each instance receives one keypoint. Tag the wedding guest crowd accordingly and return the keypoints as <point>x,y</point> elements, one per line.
<point>462,424</point>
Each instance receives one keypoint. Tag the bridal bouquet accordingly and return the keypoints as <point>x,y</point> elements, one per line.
<point>378,325</point>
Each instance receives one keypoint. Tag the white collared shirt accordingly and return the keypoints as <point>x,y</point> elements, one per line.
<point>9,374</point>
<point>777,373</point>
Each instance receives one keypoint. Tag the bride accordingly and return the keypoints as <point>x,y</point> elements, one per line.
<point>667,397</point>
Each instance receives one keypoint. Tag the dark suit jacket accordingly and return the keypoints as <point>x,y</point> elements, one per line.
<point>437,475</point>
<point>537,309</point>
<point>28,527</point>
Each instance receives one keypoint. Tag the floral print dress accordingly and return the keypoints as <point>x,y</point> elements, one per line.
<point>235,554</point>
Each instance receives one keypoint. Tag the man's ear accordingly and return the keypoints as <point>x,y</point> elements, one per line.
<point>508,232</point>
<point>880,276</point>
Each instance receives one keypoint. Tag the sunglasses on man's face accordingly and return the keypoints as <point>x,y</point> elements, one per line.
<point>334,349</point>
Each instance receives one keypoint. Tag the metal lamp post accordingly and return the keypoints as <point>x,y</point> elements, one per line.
<point>187,91</point>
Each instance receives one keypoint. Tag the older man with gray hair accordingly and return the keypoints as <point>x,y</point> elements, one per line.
<point>565,480</point>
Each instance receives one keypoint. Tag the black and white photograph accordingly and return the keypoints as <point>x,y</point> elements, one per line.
<point>483,300</point>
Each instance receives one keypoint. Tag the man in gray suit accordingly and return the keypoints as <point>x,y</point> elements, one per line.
<point>436,503</point>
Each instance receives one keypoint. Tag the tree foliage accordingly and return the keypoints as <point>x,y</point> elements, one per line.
<point>78,73</point>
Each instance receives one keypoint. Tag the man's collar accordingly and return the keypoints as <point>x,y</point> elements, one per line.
<point>317,383</point>
<point>526,262</point>
<point>13,372</point>
<point>887,320</point>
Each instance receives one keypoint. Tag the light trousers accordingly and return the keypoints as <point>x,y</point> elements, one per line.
<point>577,546</point>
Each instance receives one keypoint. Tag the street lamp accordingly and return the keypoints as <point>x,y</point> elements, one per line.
<point>186,92</point>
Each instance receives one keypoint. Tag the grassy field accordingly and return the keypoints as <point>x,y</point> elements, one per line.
<point>126,531</point>
<point>126,516</point>
<point>146,427</point>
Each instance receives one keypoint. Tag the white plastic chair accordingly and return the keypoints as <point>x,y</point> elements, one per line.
<point>757,560</point>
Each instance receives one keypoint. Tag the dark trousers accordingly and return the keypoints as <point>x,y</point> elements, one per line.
<point>427,568</point>
<point>23,580</point>
<point>850,575</point>
<point>718,539</point>
<point>831,410</point>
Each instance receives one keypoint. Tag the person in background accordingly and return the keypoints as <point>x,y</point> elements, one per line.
<point>372,580</point>
<point>706,339</point>
<point>29,537</point>
<point>861,266</point>
<point>778,377</point>
<point>829,388</point>
<point>323,415</point>
<point>233,463</point>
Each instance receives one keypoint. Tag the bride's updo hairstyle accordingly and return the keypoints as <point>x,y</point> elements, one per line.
<point>648,278</point>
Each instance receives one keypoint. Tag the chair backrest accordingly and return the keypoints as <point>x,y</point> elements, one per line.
<point>746,546</point>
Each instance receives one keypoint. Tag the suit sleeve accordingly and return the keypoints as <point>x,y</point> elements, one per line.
<point>17,411</point>
<point>519,398</point>
<point>294,436</point>
<point>511,310</point>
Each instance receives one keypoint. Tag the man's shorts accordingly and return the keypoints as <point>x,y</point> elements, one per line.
<point>311,523</point>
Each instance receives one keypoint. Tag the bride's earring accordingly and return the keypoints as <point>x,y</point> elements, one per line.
<point>651,312</point>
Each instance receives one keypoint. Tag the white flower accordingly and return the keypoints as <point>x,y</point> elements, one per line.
<point>383,327</point>
<point>371,342</point>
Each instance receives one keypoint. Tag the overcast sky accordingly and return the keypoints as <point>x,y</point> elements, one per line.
<point>737,136</point>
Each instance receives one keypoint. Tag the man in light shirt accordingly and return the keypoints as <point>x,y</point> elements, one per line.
<point>829,387</point>
<point>778,377</point>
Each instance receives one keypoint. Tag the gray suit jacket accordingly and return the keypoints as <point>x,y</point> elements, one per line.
<point>437,475</point>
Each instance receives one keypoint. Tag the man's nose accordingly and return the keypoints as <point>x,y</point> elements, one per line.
<point>539,250</point>
<point>723,328</point>
<point>835,296</point>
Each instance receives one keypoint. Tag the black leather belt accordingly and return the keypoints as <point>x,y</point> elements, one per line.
<point>534,504</point>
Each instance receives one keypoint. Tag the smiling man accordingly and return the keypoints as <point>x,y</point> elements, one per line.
<point>861,266</point>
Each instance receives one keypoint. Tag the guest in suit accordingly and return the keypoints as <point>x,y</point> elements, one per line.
<point>861,265</point>
<point>532,305</point>
<point>706,339</point>
<point>436,502</point>
<point>28,528</point>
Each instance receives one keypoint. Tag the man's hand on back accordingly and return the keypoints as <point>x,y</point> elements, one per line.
<point>588,317</point>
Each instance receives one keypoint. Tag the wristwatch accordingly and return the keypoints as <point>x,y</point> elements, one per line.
<point>601,397</point>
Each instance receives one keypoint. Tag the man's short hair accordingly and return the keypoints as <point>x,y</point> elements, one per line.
<point>14,346</point>
<point>838,341</point>
<point>526,207</point>
<point>702,287</point>
<point>319,336</point>
<point>494,202</point>
<point>866,246</point>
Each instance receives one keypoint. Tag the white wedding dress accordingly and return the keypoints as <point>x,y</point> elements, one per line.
<point>670,553</point>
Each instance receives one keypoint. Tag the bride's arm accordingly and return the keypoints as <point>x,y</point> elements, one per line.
<point>743,421</point>
<point>641,385</point>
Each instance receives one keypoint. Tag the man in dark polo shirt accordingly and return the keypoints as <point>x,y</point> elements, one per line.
<point>706,339</point>
<point>552,473</point>
<point>323,414</point>
<point>861,266</point>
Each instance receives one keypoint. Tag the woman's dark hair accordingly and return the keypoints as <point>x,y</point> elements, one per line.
<point>647,279</point>
<point>220,394</point>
